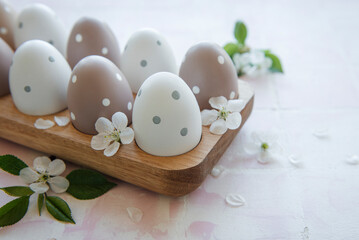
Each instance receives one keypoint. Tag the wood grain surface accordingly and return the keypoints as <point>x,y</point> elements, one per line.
<point>172,176</point>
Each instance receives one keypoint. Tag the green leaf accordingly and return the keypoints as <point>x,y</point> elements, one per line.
<point>13,211</point>
<point>87,184</point>
<point>240,32</point>
<point>59,209</point>
<point>18,191</point>
<point>11,164</point>
<point>276,65</point>
<point>231,48</point>
<point>40,203</point>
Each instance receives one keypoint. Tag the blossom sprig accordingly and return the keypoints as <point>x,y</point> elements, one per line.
<point>250,61</point>
<point>81,184</point>
<point>225,115</point>
<point>112,134</point>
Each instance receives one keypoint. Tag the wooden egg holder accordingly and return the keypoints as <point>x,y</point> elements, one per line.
<point>172,176</point>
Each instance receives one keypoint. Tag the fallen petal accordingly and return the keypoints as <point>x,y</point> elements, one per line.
<point>235,200</point>
<point>216,171</point>
<point>43,124</point>
<point>135,214</point>
<point>353,159</point>
<point>293,159</point>
<point>62,121</point>
<point>321,133</point>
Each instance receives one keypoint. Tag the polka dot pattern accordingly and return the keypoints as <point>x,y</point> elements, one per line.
<point>74,78</point>
<point>104,51</point>
<point>139,92</point>
<point>184,132</point>
<point>27,89</point>
<point>129,106</point>
<point>220,59</point>
<point>51,59</point>
<point>156,120</point>
<point>73,117</point>
<point>21,24</point>
<point>176,95</point>
<point>196,89</point>
<point>106,102</point>
<point>78,37</point>
<point>143,63</point>
<point>232,95</point>
<point>159,43</point>
<point>3,30</point>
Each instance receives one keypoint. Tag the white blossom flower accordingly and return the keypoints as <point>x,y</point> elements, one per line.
<point>226,116</point>
<point>112,134</point>
<point>264,146</point>
<point>46,173</point>
<point>252,63</point>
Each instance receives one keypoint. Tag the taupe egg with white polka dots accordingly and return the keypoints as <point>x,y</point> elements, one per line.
<point>6,55</point>
<point>7,23</point>
<point>166,116</point>
<point>209,72</point>
<point>90,36</point>
<point>97,88</point>
<point>38,78</point>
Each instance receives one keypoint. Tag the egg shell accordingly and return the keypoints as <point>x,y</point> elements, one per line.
<point>7,23</point>
<point>209,72</point>
<point>90,36</point>
<point>37,21</point>
<point>147,52</point>
<point>39,78</point>
<point>166,116</point>
<point>97,89</point>
<point>6,55</point>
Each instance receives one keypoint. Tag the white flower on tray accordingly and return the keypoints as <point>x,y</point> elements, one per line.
<point>112,134</point>
<point>226,116</point>
<point>264,146</point>
<point>46,173</point>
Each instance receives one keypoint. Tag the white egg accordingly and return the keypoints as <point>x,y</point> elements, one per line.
<point>38,78</point>
<point>38,21</point>
<point>147,52</point>
<point>166,116</point>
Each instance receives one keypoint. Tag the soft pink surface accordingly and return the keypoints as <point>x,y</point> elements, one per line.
<point>318,45</point>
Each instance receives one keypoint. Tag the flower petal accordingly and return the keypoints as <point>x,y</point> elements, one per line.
<point>265,157</point>
<point>112,149</point>
<point>39,187</point>
<point>127,135</point>
<point>119,120</point>
<point>218,102</point>
<point>100,141</point>
<point>233,120</point>
<point>62,120</point>
<point>103,125</point>
<point>235,105</point>
<point>56,167</point>
<point>251,148</point>
<point>208,116</point>
<point>41,164</point>
<point>58,184</point>
<point>218,127</point>
<point>43,124</point>
<point>28,175</point>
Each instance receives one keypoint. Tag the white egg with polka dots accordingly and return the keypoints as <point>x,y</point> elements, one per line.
<point>38,78</point>
<point>166,117</point>
<point>146,52</point>
<point>37,21</point>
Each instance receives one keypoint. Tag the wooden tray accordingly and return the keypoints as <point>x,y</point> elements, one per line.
<point>173,176</point>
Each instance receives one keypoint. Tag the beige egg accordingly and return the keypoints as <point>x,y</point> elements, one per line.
<point>209,72</point>
<point>6,55</point>
<point>90,36</point>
